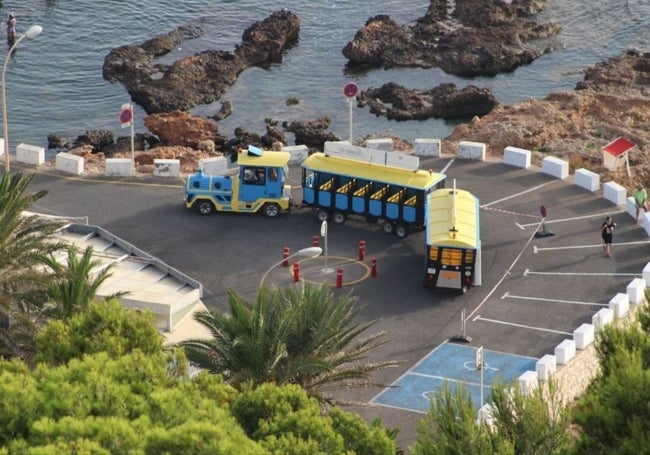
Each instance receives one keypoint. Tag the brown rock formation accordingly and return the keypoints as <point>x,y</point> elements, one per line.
<point>613,100</point>
<point>480,38</point>
<point>181,128</point>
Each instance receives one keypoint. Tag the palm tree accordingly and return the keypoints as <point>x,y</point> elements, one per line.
<point>75,284</point>
<point>25,240</point>
<point>306,336</point>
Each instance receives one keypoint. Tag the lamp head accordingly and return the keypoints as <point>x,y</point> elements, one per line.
<point>33,31</point>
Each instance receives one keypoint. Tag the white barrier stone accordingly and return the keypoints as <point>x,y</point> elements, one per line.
<point>602,318</point>
<point>636,289</point>
<point>586,179</point>
<point>485,414</point>
<point>30,154</point>
<point>620,303</point>
<point>565,351</point>
<point>516,157</point>
<point>216,165</point>
<point>527,382</point>
<point>69,163</point>
<point>584,336</point>
<point>614,193</point>
<point>646,272</point>
<point>166,168</point>
<point>471,150</point>
<point>556,167</point>
<point>299,153</point>
<point>630,207</point>
<point>2,146</point>
<point>385,144</point>
<point>119,167</point>
<point>428,147</point>
<point>546,367</point>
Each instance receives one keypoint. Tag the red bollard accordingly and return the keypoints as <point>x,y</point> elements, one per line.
<point>285,256</point>
<point>315,240</point>
<point>339,278</point>
<point>362,250</point>
<point>373,268</point>
<point>296,271</point>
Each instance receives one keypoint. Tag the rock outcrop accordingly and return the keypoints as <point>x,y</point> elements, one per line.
<point>182,128</point>
<point>201,78</point>
<point>479,38</point>
<point>444,101</point>
<point>613,100</point>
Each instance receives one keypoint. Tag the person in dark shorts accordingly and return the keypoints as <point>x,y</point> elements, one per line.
<point>607,233</point>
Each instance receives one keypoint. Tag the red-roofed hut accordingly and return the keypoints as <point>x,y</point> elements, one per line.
<point>615,154</point>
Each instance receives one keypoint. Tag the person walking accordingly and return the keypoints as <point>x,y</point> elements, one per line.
<point>640,195</point>
<point>607,233</point>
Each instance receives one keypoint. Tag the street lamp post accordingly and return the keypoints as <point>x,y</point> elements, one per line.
<point>32,32</point>
<point>311,252</point>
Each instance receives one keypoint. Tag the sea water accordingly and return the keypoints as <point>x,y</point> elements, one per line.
<point>54,82</point>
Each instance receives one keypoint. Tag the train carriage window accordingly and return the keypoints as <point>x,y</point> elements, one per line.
<point>273,175</point>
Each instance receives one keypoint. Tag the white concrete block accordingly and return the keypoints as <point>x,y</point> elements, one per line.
<point>299,153</point>
<point>119,167</point>
<point>485,413</point>
<point>565,351</point>
<point>602,318</point>
<point>556,167</point>
<point>546,367</point>
<point>527,382</point>
<point>2,146</point>
<point>69,163</point>
<point>30,154</point>
<point>385,144</point>
<point>614,193</point>
<point>636,289</point>
<point>620,304</point>
<point>428,147</point>
<point>586,179</point>
<point>516,157</point>
<point>646,272</point>
<point>584,335</point>
<point>471,150</point>
<point>630,207</point>
<point>166,168</point>
<point>216,165</point>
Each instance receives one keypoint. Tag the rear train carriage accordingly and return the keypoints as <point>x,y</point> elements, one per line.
<point>370,185</point>
<point>453,243</point>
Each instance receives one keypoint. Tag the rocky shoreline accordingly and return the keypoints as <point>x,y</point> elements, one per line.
<point>611,101</point>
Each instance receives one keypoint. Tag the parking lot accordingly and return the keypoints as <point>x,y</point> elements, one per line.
<point>534,291</point>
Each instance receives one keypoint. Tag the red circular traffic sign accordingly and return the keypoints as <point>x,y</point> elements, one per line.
<point>351,90</point>
<point>126,115</point>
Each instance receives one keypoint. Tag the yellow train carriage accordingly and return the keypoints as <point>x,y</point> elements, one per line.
<point>453,243</point>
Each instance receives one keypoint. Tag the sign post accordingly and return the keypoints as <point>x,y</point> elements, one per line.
<point>126,119</point>
<point>350,91</point>
<point>323,233</point>
<point>479,367</point>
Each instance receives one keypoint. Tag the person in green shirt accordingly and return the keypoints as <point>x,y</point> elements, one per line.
<point>640,197</point>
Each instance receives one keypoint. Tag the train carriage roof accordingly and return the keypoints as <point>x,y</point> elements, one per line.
<point>419,179</point>
<point>441,227</point>
<point>266,158</point>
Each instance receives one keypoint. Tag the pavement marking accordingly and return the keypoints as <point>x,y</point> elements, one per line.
<point>444,170</point>
<point>521,193</point>
<point>512,324</point>
<point>537,249</point>
<point>451,365</point>
<point>528,272</point>
<point>574,218</point>
<point>507,295</point>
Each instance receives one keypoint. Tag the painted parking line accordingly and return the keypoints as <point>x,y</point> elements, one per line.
<point>523,326</point>
<point>573,218</point>
<point>454,365</point>
<point>528,272</point>
<point>537,249</point>
<point>507,295</point>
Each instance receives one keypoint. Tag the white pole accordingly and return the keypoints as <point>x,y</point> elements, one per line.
<point>350,106</point>
<point>132,138</point>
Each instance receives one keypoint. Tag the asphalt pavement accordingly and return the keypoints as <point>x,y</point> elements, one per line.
<point>534,291</point>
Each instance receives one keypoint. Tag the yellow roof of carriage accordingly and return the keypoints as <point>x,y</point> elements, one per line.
<point>453,226</point>
<point>418,179</point>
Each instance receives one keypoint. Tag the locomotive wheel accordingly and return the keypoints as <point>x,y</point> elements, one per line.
<point>388,227</point>
<point>204,207</point>
<point>271,210</point>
